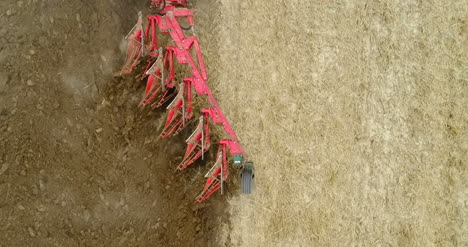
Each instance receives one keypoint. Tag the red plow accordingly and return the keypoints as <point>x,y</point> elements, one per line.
<point>163,87</point>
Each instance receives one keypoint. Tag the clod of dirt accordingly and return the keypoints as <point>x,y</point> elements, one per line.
<point>4,168</point>
<point>41,184</point>
<point>31,231</point>
<point>3,82</point>
<point>41,208</point>
<point>197,207</point>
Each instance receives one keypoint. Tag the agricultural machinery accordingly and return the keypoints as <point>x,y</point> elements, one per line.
<point>164,89</point>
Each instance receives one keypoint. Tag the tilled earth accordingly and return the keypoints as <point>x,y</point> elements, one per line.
<point>79,165</point>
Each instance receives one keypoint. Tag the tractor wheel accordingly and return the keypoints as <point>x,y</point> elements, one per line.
<point>247,180</point>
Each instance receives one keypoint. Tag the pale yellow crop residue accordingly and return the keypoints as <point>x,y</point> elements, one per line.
<point>355,113</point>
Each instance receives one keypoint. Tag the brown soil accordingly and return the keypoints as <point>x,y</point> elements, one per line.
<point>79,165</point>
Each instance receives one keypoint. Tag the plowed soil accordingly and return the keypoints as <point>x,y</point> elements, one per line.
<point>79,165</point>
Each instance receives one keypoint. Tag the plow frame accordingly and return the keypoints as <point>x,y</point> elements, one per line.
<point>180,109</point>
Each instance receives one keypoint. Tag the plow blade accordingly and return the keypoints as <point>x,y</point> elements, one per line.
<point>168,86</point>
<point>135,45</point>
<point>155,73</point>
<point>180,112</point>
<point>197,144</point>
<point>175,123</point>
<point>216,175</point>
<point>165,97</point>
<point>158,82</point>
<point>151,91</point>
